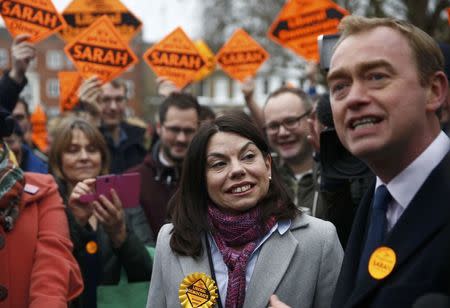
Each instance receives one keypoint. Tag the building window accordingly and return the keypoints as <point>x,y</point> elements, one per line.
<point>4,58</point>
<point>221,90</point>
<point>52,87</point>
<point>54,59</point>
<point>130,88</point>
<point>69,64</point>
<point>266,85</point>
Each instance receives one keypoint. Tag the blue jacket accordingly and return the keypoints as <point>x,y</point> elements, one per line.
<point>31,162</point>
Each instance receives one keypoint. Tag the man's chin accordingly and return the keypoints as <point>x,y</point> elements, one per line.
<point>289,155</point>
<point>177,157</point>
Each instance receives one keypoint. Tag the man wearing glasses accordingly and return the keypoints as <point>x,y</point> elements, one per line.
<point>286,127</point>
<point>125,141</point>
<point>160,171</point>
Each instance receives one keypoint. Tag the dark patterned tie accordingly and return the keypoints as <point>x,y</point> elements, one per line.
<point>377,227</point>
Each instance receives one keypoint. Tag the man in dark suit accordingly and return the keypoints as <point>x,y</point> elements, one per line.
<point>386,84</point>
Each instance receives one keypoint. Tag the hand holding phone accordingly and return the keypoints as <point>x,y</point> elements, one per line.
<point>126,185</point>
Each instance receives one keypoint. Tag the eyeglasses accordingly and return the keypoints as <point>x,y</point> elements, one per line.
<point>19,117</point>
<point>176,130</point>
<point>288,123</point>
<point>109,99</point>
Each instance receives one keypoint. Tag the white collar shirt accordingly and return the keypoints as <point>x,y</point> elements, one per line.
<point>404,186</point>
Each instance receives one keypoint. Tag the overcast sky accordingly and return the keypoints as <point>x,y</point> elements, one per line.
<point>160,17</point>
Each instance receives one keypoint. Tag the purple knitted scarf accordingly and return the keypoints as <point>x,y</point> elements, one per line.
<point>241,230</point>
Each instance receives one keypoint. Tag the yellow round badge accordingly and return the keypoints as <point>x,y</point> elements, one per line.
<point>197,290</point>
<point>382,262</point>
<point>91,247</point>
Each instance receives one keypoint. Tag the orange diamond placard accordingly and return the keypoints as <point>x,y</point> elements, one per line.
<point>300,22</point>
<point>69,82</point>
<point>80,14</point>
<point>176,58</point>
<point>210,65</point>
<point>241,56</point>
<point>38,18</point>
<point>100,51</point>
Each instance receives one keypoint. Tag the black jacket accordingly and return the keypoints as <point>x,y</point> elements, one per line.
<point>420,240</point>
<point>129,152</point>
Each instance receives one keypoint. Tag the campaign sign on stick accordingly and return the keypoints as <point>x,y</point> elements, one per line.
<point>80,14</point>
<point>210,65</point>
<point>100,51</point>
<point>300,22</point>
<point>69,82</point>
<point>241,56</point>
<point>176,58</point>
<point>38,18</point>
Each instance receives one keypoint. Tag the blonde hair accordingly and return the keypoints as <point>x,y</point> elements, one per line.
<point>427,54</point>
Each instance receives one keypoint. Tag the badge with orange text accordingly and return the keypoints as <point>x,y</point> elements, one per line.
<point>382,262</point>
<point>241,56</point>
<point>300,22</point>
<point>176,58</point>
<point>197,290</point>
<point>80,14</point>
<point>100,51</point>
<point>39,18</point>
<point>69,82</point>
<point>91,247</point>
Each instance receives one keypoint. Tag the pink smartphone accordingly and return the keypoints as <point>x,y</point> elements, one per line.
<point>127,186</point>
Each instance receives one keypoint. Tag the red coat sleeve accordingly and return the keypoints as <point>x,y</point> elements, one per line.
<point>55,276</point>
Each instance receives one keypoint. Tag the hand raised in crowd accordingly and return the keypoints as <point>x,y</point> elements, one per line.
<point>80,210</point>
<point>112,216</point>
<point>90,90</point>
<point>248,88</point>
<point>312,70</point>
<point>315,127</point>
<point>165,86</point>
<point>22,52</point>
<point>276,303</point>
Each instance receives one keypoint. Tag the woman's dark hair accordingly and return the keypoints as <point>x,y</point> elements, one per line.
<point>188,207</point>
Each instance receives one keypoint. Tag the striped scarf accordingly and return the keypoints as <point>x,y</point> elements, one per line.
<point>242,230</point>
<point>12,183</point>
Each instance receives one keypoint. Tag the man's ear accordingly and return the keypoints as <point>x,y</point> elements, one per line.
<point>268,162</point>
<point>438,91</point>
<point>158,128</point>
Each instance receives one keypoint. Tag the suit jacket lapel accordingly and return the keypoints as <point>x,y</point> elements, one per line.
<point>190,265</point>
<point>267,273</point>
<point>346,281</point>
<point>423,217</point>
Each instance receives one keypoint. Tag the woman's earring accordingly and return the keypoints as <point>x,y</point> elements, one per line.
<point>270,178</point>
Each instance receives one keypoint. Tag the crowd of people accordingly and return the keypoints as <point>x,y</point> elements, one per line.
<point>334,200</point>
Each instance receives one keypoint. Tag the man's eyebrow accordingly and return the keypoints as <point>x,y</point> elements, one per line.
<point>361,67</point>
<point>365,66</point>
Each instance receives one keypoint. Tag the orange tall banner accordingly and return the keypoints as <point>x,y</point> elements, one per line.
<point>39,134</point>
<point>69,82</point>
<point>100,51</point>
<point>300,22</point>
<point>176,58</point>
<point>448,15</point>
<point>37,18</point>
<point>80,14</point>
<point>241,56</point>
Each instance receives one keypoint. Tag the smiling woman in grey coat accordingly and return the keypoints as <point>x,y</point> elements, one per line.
<point>236,238</point>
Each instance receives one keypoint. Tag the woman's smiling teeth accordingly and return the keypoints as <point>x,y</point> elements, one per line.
<point>241,189</point>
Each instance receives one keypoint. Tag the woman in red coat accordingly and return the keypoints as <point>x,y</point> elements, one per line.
<point>37,268</point>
